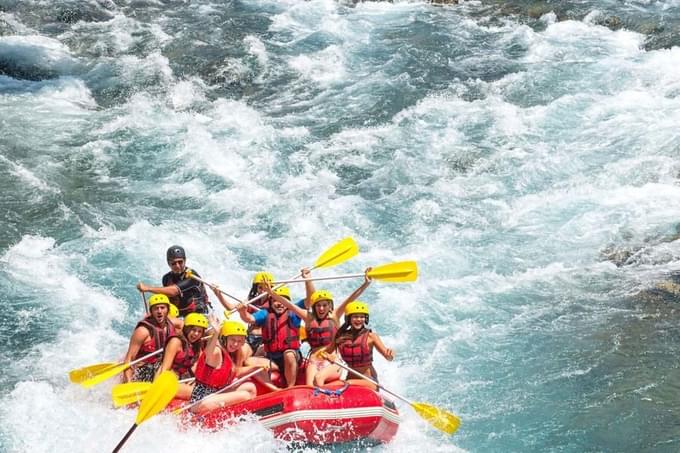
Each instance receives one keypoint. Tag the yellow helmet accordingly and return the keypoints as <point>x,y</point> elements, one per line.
<point>283,291</point>
<point>356,308</point>
<point>321,294</point>
<point>233,328</point>
<point>196,319</point>
<point>174,311</point>
<point>159,299</point>
<point>263,277</point>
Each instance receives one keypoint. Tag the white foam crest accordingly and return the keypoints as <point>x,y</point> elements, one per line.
<point>118,35</point>
<point>302,18</point>
<point>35,51</point>
<point>65,420</point>
<point>29,177</point>
<point>15,24</point>
<point>186,94</point>
<point>257,48</point>
<point>36,255</point>
<point>577,41</point>
<point>154,65</point>
<point>324,67</point>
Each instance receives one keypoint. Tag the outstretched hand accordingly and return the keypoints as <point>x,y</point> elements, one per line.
<point>367,279</point>
<point>142,287</point>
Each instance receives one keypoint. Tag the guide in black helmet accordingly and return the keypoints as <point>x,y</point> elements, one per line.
<point>187,293</point>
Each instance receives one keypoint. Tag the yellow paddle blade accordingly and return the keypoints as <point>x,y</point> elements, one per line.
<point>162,391</point>
<point>338,253</point>
<point>104,375</point>
<point>129,393</point>
<point>402,271</point>
<point>439,418</point>
<point>81,374</point>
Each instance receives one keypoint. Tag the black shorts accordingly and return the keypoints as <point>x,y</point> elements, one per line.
<point>277,358</point>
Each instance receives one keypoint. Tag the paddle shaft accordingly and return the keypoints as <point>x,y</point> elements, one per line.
<point>331,260</point>
<point>373,381</point>
<point>125,438</point>
<point>143,358</point>
<point>278,285</point>
<point>223,389</point>
<point>219,289</point>
<point>146,305</point>
<point>313,279</point>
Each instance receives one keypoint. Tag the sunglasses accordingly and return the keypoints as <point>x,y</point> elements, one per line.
<point>176,262</point>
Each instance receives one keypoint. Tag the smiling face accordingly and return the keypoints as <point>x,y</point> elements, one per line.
<point>357,321</point>
<point>322,308</point>
<point>233,343</point>
<point>194,333</point>
<point>277,306</point>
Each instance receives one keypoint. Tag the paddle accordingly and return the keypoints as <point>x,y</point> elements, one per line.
<point>336,254</point>
<point>82,374</point>
<point>161,392</point>
<point>146,305</point>
<point>92,375</point>
<point>238,381</point>
<point>196,277</point>
<point>132,392</point>
<point>439,418</point>
<point>402,271</point>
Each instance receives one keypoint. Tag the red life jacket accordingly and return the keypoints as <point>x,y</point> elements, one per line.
<point>215,378</point>
<point>158,336</point>
<point>279,334</point>
<point>321,333</point>
<point>184,358</point>
<point>355,351</point>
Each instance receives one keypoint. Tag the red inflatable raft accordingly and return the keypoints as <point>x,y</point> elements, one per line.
<point>334,414</point>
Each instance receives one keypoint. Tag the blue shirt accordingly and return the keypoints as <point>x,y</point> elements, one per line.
<point>261,315</point>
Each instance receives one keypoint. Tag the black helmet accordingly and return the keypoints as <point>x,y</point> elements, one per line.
<point>174,252</point>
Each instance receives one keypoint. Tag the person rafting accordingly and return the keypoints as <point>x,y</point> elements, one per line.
<point>183,349</point>
<point>150,334</point>
<point>218,365</point>
<point>280,332</point>
<point>321,321</point>
<point>355,343</point>
<point>187,293</point>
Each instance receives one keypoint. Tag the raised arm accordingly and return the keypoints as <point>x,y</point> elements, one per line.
<point>213,355</point>
<point>378,344</point>
<point>226,304</point>
<point>302,314</point>
<point>309,287</point>
<point>340,309</point>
